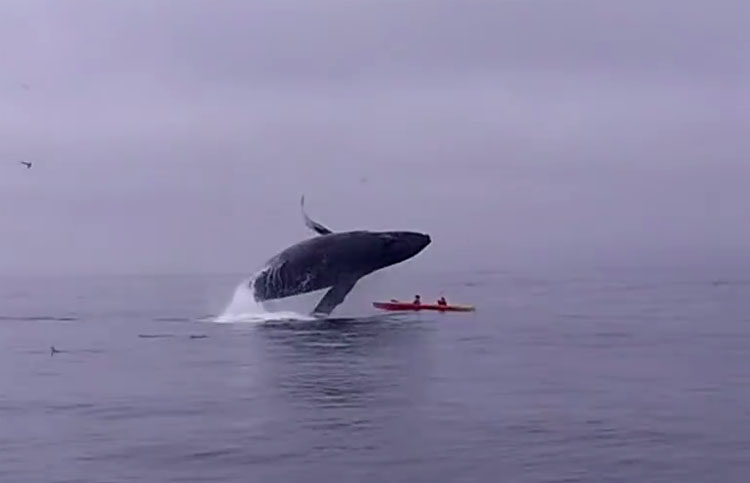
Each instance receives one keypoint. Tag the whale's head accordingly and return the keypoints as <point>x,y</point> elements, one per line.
<point>395,247</point>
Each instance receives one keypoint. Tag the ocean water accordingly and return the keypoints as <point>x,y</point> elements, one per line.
<point>607,376</point>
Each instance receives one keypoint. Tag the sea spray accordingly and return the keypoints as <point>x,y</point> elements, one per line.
<point>244,308</point>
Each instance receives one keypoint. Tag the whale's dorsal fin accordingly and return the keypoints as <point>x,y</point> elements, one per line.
<point>310,223</point>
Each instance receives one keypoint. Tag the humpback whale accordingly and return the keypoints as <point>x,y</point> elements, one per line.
<point>332,260</point>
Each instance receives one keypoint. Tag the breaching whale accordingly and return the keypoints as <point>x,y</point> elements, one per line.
<point>332,260</point>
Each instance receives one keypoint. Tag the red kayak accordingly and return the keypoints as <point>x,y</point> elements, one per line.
<point>394,306</point>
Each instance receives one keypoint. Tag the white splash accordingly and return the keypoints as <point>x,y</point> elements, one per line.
<point>243,308</point>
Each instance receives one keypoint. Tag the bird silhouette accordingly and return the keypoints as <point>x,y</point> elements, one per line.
<point>27,164</point>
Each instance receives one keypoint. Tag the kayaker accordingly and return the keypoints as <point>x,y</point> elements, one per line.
<point>442,301</point>
<point>417,300</point>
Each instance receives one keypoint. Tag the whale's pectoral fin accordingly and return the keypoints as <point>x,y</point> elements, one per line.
<point>310,223</point>
<point>335,296</point>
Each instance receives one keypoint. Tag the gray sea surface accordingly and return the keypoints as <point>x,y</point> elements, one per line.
<point>618,376</point>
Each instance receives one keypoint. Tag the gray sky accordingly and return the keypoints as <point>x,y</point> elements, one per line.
<point>178,135</point>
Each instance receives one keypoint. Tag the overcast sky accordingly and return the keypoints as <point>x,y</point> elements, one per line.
<point>177,136</point>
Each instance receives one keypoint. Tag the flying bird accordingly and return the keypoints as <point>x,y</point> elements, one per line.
<point>27,164</point>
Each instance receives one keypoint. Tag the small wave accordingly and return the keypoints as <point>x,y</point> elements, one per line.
<point>167,336</point>
<point>36,318</point>
<point>726,283</point>
<point>173,319</point>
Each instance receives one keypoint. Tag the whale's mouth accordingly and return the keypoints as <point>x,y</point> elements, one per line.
<point>422,240</point>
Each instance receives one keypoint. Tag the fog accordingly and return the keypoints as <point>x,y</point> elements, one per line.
<point>178,136</point>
